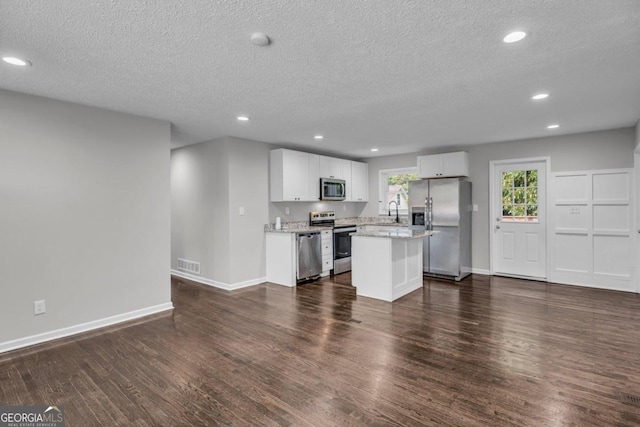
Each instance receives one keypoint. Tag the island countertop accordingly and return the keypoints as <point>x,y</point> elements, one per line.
<point>392,232</point>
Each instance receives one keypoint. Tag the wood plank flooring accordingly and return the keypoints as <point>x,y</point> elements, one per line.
<point>486,351</point>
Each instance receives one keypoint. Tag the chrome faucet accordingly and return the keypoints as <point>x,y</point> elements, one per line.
<point>389,210</point>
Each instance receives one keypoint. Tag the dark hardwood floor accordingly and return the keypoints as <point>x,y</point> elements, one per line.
<point>486,351</point>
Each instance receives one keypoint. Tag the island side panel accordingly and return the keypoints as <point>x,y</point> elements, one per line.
<point>281,258</point>
<point>406,266</point>
<point>371,267</point>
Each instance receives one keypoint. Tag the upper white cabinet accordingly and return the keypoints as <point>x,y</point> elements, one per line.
<point>294,176</point>
<point>359,182</point>
<point>332,167</point>
<point>444,165</point>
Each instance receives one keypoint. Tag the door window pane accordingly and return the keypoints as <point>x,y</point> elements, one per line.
<point>520,196</point>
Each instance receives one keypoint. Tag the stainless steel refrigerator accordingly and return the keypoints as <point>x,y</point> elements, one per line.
<point>443,205</point>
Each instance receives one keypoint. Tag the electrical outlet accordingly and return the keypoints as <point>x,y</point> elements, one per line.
<point>39,307</point>
<point>287,211</point>
<point>241,210</point>
<point>344,207</point>
<point>475,208</point>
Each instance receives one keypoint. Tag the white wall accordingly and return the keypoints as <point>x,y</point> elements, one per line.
<point>84,217</point>
<point>585,151</point>
<point>210,182</point>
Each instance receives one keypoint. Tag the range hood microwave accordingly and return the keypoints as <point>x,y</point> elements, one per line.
<point>332,189</point>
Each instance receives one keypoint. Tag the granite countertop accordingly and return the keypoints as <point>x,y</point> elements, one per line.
<point>303,226</point>
<point>295,229</point>
<point>393,232</point>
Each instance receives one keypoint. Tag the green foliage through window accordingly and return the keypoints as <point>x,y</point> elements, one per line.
<point>520,195</point>
<point>394,186</point>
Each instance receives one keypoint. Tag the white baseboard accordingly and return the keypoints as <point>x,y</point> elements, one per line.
<point>216,284</point>
<point>82,327</point>
<point>480,271</point>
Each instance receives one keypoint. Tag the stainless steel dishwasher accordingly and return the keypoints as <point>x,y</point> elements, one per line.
<point>309,255</point>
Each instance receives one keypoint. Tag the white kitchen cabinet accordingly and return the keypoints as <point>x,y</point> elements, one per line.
<point>313,177</point>
<point>444,165</point>
<point>282,258</point>
<point>359,182</point>
<point>294,176</point>
<point>386,268</point>
<point>332,167</point>
<point>326,237</point>
<point>346,175</point>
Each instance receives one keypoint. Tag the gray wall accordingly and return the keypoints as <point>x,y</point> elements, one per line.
<point>200,208</point>
<point>210,182</point>
<point>299,211</point>
<point>84,219</point>
<point>249,188</point>
<point>593,150</point>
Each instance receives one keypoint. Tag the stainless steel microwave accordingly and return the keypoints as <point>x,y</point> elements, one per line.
<point>332,189</point>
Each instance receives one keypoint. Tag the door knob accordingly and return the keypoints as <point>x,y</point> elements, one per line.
<point>497,227</point>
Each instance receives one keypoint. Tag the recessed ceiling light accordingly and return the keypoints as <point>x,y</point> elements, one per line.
<point>318,137</point>
<point>515,36</point>
<point>553,126</point>
<point>16,61</point>
<point>540,96</point>
<point>243,118</point>
<point>374,149</point>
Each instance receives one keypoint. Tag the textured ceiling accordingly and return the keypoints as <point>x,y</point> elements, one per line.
<point>399,75</point>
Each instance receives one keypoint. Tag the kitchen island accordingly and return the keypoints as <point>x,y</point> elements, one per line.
<point>386,262</point>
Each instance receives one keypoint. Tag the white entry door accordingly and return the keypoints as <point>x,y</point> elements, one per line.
<point>519,219</point>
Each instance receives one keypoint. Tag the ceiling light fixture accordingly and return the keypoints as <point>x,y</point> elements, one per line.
<point>515,36</point>
<point>16,61</point>
<point>243,118</point>
<point>553,126</point>
<point>540,96</point>
<point>374,149</point>
<point>260,39</point>
<point>318,137</point>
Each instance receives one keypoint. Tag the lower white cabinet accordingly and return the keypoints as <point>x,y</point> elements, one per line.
<point>327,252</point>
<point>386,268</point>
<point>282,258</point>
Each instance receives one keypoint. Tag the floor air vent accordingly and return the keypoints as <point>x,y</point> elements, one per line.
<point>630,399</point>
<point>190,266</point>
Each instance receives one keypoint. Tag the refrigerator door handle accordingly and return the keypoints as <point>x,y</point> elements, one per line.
<point>430,213</point>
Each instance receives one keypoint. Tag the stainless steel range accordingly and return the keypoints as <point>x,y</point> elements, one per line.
<point>341,239</point>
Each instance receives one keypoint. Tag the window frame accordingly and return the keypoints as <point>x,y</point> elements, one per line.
<point>383,187</point>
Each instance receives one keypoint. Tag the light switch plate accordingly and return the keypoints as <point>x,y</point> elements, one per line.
<point>241,210</point>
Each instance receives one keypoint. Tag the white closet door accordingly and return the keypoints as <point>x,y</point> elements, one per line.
<point>592,229</point>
